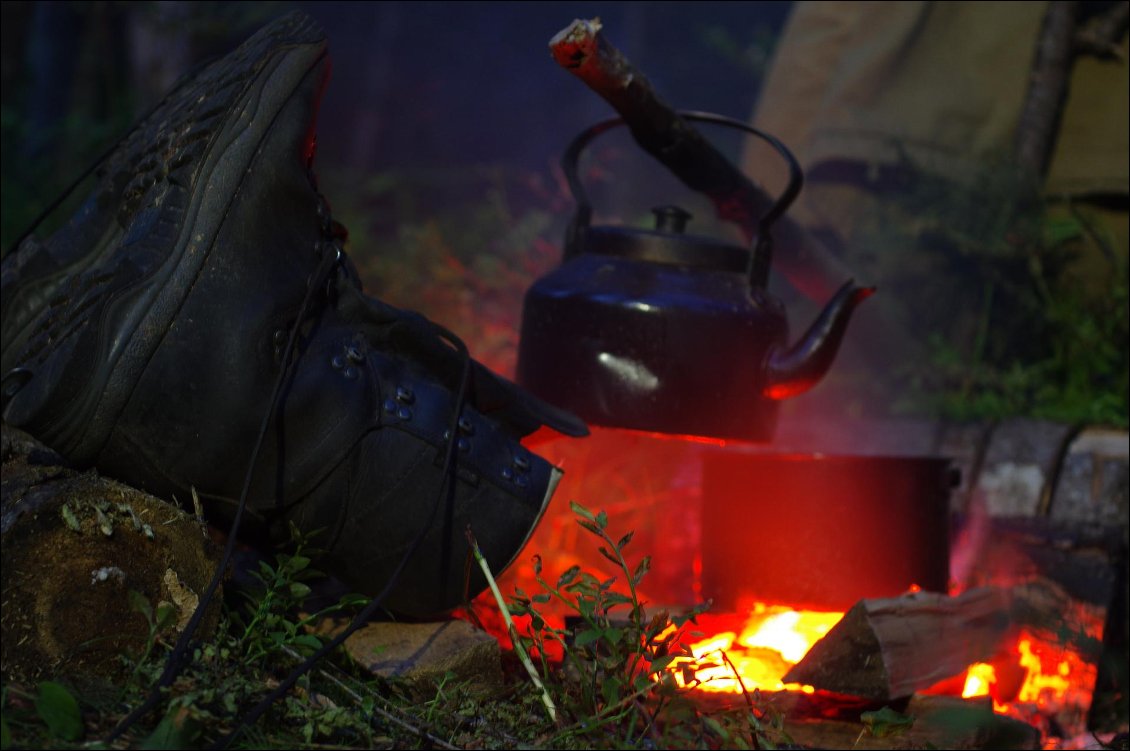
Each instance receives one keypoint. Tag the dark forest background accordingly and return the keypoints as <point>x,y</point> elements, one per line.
<point>439,136</point>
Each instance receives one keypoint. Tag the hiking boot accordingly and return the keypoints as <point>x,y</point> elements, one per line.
<point>144,338</point>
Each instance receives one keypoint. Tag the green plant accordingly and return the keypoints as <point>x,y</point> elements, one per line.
<point>51,714</point>
<point>273,622</point>
<point>158,622</point>
<point>625,677</point>
<point>1019,302</point>
<point>1074,367</point>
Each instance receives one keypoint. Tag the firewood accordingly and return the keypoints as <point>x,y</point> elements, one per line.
<point>89,564</point>
<point>890,648</point>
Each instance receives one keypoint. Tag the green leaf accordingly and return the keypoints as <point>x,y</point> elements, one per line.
<point>610,690</point>
<point>293,564</point>
<point>612,599</point>
<point>5,733</point>
<point>625,540</point>
<point>140,603</point>
<point>714,725</point>
<point>587,637</point>
<point>166,614</point>
<point>886,721</point>
<point>661,663</point>
<point>306,642</point>
<point>580,510</point>
<point>602,520</point>
<point>590,527</point>
<point>177,729</point>
<point>56,707</point>
<point>608,554</point>
<point>641,569</point>
<point>299,591</point>
<point>569,575</point>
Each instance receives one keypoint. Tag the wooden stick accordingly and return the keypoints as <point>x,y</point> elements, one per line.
<point>550,707</point>
<point>581,49</point>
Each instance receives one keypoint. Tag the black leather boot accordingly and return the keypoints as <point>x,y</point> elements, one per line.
<point>145,336</point>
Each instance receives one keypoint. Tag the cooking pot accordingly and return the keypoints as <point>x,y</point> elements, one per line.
<point>821,532</point>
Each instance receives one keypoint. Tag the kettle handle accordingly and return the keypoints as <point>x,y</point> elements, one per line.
<point>762,251</point>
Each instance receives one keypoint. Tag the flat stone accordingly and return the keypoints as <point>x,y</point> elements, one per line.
<point>1094,479</point>
<point>1020,465</point>
<point>939,722</point>
<point>428,651</point>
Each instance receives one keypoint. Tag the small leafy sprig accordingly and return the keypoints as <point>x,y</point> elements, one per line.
<point>619,664</point>
<point>274,622</point>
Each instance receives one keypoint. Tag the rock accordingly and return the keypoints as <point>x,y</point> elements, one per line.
<point>87,563</point>
<point>1020,466</point>
<point>425,652</point>
<point>938,722</point>
<point>1093,479</point>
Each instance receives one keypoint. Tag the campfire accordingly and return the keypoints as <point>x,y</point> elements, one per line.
<point>830,576</point>
<point>1008,637</point>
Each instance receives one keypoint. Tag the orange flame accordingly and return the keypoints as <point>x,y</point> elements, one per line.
<point>757,651</point>
<point>771,640</point>
<point>1047,677</point>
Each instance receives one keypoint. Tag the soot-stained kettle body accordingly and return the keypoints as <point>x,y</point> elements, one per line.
<point>664,331</point>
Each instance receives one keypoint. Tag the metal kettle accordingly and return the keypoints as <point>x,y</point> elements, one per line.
<point>661,330</point>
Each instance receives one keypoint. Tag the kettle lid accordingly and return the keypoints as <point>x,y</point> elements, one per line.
<point>666,243</point>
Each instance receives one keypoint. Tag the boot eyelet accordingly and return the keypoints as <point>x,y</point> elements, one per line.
<point>405,395</point>
<point>349,373</point>
<point>404,413</point>
<point>390,406</point>
<point>354,354</point>
<point>337,362</point>
<point>466,426</point>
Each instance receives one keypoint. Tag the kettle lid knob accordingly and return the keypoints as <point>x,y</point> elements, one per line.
<point>671,219</point>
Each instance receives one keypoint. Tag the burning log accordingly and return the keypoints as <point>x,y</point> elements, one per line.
<point>581,49</point>
<point>1030,645</point>
<point>890,648</point>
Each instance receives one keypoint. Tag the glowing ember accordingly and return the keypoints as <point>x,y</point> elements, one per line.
<point>761,651</point>
<point>1037,675</point>
<point>979,680</point>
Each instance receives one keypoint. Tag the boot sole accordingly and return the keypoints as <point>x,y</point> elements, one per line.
<point>144,308</point>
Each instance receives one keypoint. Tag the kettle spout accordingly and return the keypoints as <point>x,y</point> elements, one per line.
<point>797,369</point>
